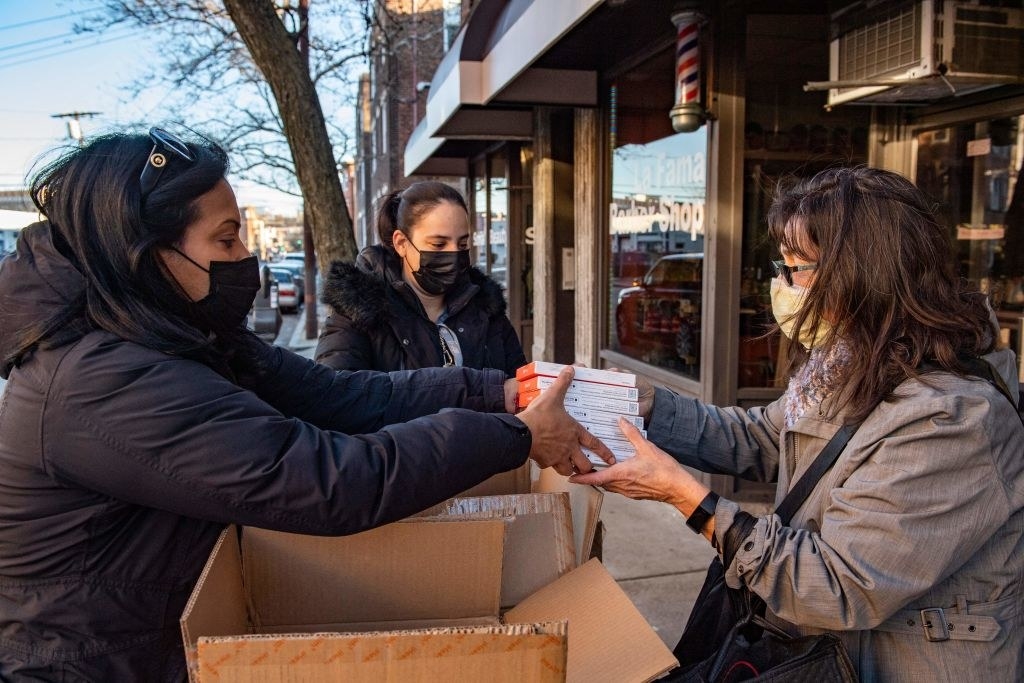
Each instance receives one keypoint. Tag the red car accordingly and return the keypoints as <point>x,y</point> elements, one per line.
<point>660,313</point>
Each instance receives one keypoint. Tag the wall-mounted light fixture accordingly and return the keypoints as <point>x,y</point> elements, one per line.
<point>688,114</point>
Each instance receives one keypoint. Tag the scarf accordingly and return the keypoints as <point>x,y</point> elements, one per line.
<point>816,380</point>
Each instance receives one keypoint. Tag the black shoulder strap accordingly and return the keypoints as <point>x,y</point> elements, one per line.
<point>978,367</point>
<point>798,494</point>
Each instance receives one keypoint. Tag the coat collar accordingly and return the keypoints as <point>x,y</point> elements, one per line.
<point>371,290</point>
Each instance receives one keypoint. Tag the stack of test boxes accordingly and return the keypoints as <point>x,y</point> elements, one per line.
<point>596,399</point>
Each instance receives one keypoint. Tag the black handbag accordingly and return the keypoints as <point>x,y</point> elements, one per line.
<point>727,637</point>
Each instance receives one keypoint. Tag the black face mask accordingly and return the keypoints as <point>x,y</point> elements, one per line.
<point>233,288</point>
<point>440,270</point>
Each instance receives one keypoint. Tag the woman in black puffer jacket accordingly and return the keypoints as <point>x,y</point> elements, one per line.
<point>141,417</point>
<point>414,301</point>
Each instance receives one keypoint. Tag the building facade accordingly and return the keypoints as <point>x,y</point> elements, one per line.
<point>268,235</point>
<point>408,39</point>
<point>626,243</point>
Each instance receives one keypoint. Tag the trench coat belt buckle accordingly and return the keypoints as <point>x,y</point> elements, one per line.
<point>933,621</point>
<point>937,625</point>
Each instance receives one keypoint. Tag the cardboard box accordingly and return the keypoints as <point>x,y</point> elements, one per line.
<point>621,379</point>
<point>539,382</point>
<point>600,417</point>
<point>584,501</point>
<point>585,402</point>
<point>605,432</point>
<point>416,600</point>
<point>619,453</point>
<point>539,542</point>
<point>513,481</point>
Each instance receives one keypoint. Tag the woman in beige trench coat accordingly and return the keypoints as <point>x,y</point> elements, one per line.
<point>911,547</point>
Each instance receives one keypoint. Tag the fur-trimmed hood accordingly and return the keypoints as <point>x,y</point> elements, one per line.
<point>360,291</point>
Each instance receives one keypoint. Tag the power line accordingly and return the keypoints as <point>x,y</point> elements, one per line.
<point>30,22</point>
<point>80,39</point>
<point>61,37</point>
<point>62,52</point>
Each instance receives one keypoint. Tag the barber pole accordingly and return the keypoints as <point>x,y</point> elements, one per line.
<point>687,58</point>
<point>688,114</point>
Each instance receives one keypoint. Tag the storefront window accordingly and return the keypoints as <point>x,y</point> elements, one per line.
<point>478,243</point>
<point>656,228</point>
<point>788,135</point>
<point>526,193</point>
<point>497,266</point>
<point>973,171</point>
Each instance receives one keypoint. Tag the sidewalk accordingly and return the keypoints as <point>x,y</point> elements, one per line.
<point>648,548</point>
<point>298,343</point>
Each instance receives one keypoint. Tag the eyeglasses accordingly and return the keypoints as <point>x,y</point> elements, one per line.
<point>164,143</point>
<point>786,272</point>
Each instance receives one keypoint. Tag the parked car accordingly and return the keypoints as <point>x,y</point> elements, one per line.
<point>288,299</point>
<point>298,271</point>
<point>660,313</point>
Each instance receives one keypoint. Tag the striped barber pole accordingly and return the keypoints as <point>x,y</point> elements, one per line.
<point>687,58</point>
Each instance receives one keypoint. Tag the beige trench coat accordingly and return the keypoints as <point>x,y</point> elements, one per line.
<point>921,520</point>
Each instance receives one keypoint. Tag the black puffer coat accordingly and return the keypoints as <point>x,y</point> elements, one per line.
<point>120,465</point>
<point>378,323</point>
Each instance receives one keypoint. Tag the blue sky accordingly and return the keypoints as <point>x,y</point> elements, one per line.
<point>46,69</point>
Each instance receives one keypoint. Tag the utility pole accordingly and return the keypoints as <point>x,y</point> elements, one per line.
<point>74,125</point>
<point>309,259</point>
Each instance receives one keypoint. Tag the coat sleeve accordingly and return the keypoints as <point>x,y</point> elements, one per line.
<point>342,346</point>
<point>366,400</point>
<point>928,493</point>
<point>173,435</point>
<point>742,443</point>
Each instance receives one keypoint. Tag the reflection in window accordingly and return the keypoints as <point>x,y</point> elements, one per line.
<point>497,266</point>
<point>656,227</point>
<point>478,242</point>
<point>973,172</point>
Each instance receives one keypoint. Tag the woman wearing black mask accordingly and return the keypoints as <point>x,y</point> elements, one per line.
<point>414,301</point>
<point>140,416</point>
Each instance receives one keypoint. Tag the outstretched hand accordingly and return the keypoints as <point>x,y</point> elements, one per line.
<point>652,474</point>
<point>557,438</point>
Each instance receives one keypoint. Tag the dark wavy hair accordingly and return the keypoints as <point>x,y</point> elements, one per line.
<point>886,280</point>
<point>92,199</point>
<point>402,209</point>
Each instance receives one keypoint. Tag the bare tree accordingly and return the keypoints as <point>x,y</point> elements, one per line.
<point>239,59</point>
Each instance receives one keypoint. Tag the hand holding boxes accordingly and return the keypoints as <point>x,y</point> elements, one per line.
<point>596,399</point>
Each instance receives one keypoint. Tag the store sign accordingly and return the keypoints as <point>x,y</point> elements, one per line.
<point>979,147</point>
<point>980,232</point>
<point>664,214</point>
<point>660,187</point>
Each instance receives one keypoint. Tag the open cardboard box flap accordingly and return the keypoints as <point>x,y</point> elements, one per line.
<point>584,501</point>
<point>539,542</point>
<point>609,640</point>
<point>390,591</point>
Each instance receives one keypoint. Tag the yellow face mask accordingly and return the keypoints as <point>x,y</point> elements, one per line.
<point>786,302</point>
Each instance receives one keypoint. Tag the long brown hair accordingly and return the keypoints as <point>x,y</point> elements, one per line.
<point>886,280</point>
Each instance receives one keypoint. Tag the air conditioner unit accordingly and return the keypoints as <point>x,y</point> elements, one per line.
<point>886,52</point>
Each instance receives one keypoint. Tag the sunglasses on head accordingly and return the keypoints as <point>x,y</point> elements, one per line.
<point>786,272</point>
<point>165,146</point>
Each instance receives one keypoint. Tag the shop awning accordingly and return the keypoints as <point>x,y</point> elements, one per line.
<point>484,88</point>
